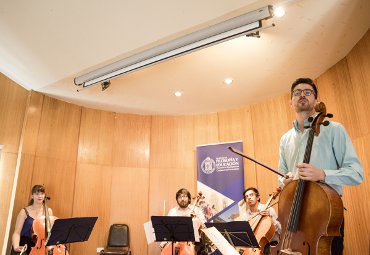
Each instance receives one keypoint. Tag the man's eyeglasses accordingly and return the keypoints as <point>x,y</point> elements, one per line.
<point>306,92</point>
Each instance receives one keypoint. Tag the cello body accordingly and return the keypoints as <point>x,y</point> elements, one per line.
<point>264,232</point>
<point>39,231</point>
<point>320,219</point>
<point>179,248</point>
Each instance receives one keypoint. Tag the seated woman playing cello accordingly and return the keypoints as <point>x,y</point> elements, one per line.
<point>23,232</point>
<point>30,226</point>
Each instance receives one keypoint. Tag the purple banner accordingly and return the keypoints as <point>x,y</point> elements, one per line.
<point>221,180</point>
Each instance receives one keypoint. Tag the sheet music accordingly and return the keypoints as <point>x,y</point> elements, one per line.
<point>219,240</point>
<point>149,232</point>
<point>196,233</point>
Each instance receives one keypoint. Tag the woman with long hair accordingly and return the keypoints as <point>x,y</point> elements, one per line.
<point>23,232</point>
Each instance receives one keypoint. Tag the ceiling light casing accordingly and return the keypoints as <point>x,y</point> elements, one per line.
<point>229,29</point>
<point>279,12</point>
<point>228,81</point>
<point>178,93</point>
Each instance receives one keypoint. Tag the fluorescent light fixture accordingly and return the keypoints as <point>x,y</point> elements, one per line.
<point>229,29</point>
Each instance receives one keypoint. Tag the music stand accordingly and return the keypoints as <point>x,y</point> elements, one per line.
<point>238,233</point>
<point>71,230</point>
<point>173,229</point>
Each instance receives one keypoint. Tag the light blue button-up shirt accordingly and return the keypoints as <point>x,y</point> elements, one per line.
<point>332,151</point>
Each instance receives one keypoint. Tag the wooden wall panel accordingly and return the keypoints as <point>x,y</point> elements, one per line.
<point>50,142</point>
<point>345,88</point>
<point>358,61</point>
<point>164,183</point>
<point>13,102</point>
<point>129,203</point>
<point>205,129</point>
<point>96,137</point>
<point>173,157</point>
<point>172,142</point>
<point>59,130</point>
<point>58,177</point>
<point>8,163</point>
<point>110,139</point>
<point>236,125</point>
<point>172,161</point>
<point>357,217</point>
<point>7,169</point>
<point>91,199</point>
<point>131,140</point>
<point>337,92</point>
<point>357,220</point>
<point>267,131</point>
<point>56,152</point>
<point>29,143</point>
<point>32,123</point>
<point>23,192</point>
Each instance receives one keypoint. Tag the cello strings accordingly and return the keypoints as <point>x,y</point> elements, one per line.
<point>301,185</point>
<point>293,220</point>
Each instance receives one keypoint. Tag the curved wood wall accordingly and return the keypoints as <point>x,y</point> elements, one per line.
<point>122,167</point>
<point>13,102</point>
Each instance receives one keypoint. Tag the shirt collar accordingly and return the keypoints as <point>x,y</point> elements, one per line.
<point>306,123</point>
<point>183,209</point>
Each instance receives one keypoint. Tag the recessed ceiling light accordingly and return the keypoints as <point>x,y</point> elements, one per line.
<point>279,11</point>
<point>178,93</point>
<point>228,81</point>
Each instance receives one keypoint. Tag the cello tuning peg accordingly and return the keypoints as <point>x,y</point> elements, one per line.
<point>329,115</point>
<point>326,123</point>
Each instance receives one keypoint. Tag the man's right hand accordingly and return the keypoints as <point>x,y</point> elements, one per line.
<point>289,179</point>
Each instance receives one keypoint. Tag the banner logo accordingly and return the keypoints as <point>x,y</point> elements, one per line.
<point>208,165</point>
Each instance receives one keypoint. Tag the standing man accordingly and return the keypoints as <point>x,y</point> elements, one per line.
<point>253,207</point>
<point>333,157</point>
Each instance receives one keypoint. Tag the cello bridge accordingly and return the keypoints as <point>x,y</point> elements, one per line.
<point>289,252</point>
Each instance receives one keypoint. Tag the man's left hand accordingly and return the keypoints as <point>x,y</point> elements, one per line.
<point>264,213</point>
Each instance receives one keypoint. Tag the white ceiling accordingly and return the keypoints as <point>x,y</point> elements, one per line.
<point>44,44</point>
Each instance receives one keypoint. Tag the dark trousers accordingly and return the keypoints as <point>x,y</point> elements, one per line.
<point>337,243</point>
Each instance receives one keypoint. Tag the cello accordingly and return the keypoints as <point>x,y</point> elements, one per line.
<point>262,227</point>
<point>310,212</point>
<point>41,231</point>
